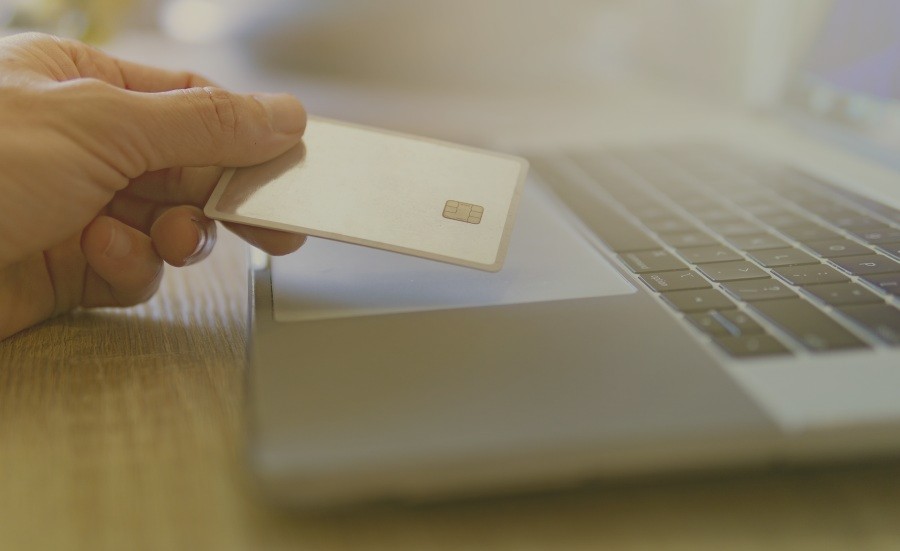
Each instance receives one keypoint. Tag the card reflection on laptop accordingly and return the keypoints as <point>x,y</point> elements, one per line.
<point>385,190</point>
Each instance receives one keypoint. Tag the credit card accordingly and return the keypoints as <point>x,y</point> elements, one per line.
<point>382,189</point>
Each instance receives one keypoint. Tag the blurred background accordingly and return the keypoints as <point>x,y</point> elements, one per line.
<point>461,44</point>
<point>429,65</point>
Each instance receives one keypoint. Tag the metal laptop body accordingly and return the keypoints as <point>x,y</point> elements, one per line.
<point>440,397</point>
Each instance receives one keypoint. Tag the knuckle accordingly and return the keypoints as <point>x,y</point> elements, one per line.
<point>220,111</point>
<point>192,80</point>
<point>86,98</point>
<point>92,88</point>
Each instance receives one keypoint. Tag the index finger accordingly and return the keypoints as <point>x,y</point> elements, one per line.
<point>93,63</point>
<point>176,186</point>
<point>144,78</point>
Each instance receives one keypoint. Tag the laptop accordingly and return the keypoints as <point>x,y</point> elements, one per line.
<point>690,288</point>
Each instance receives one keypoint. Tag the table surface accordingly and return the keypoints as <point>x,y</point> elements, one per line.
<point>123,430</point>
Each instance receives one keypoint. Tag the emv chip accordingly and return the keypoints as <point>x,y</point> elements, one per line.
<point>464,212</point>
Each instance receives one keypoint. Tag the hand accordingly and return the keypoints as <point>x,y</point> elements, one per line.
<point>104,168</point>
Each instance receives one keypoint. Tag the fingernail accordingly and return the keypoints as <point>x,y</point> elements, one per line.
<point>119,244</point>
<point>201,244</point>
<point>286,114</point>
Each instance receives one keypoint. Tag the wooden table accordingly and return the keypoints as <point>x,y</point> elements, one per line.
<point>123,430</point>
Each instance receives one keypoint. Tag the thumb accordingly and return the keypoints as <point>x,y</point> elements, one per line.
<point>125,269</point>
<point>210,126</point>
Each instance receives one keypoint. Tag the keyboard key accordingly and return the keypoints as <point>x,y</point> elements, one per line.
<point>669,224</point>
<point>732,228</point>
<point>747,346</point>
<point>716,215</point>
<point>615,230</point>
<point>739,322</point>
<point>852,219</point>
<point>881,319</point>
<point>710,323</point>
<point>766,208</point>
<point>828,209</point>
<point>757,242</point>
<point>866,265</point>
<point>832,210</point>
<point>890,213</point>
<point>811,327</point>
<point>675,190</point>
<point>892,249</point>
<point>712,253</point>
<point>675,281</point>
<point>652,261</point>
<point>600,164</point>
<point>759,289</point>
<point>887,282</point>
<point>809,232</point>
<point>651,212</point>
<point>877,235</point>
<point>697,300</point>
<point>697,203</point>
<point>723,323</point>
<point>748,196</point>
<point>843,294</point>
<point>631,198</point>
<point>811,201</point>
<point>772,258</point>
<point>836,248</point>
<point>810,275</point>
<point>688,239</point>
<point>783,219</point>
<point>731,271</point>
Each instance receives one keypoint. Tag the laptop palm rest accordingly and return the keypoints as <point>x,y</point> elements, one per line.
<point>548,260</point>
<point>386,382</point>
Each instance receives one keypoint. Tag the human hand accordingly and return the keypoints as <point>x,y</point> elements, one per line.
<point>104,168</point>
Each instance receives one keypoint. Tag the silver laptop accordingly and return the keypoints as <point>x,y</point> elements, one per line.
<point>693,287</point>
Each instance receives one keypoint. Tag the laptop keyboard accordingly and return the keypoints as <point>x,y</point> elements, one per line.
<point>759,258</point>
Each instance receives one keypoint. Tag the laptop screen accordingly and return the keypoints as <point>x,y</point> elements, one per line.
<point>851,74</point>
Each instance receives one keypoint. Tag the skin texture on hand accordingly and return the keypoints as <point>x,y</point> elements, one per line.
<point>104,168</point>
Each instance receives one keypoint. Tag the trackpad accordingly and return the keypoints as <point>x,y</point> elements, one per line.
<point>548,259</point>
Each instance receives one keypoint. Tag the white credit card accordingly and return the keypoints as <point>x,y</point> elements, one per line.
<point>381,189</point>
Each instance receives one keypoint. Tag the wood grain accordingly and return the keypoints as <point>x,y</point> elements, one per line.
<point>123,430</point>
